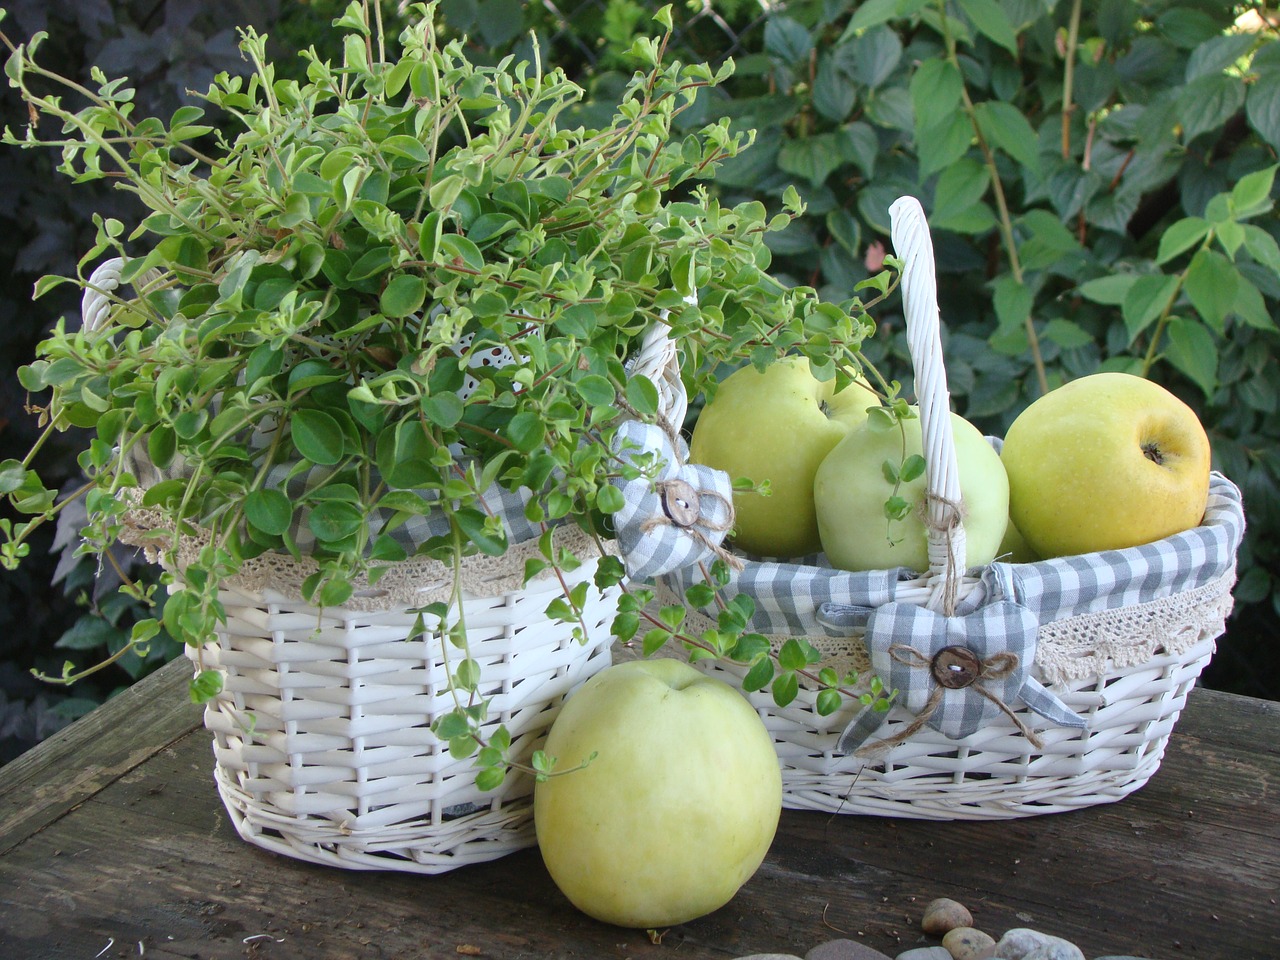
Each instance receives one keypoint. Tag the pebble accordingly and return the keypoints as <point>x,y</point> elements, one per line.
<point>966,943</point>
<point>1023,943</point>
<point>844,950</point>
<point>925,953</point>
<point>770,956</point>
<point>943,915</point>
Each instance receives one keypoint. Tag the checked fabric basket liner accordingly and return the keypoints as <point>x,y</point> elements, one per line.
<point>322,732</point>
<point>1113,642</point>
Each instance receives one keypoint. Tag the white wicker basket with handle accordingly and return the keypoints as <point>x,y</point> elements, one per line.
<point>1121,656</point>
<point>322,733</point>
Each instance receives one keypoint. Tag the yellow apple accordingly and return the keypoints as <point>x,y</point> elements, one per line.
<point>1105,462</point>
<point>776,425</point>
<point>679,805</point>
<point>851,487</point>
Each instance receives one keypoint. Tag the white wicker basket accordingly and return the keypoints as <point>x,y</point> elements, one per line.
<point>1126,670</point>
<point>322,732</point>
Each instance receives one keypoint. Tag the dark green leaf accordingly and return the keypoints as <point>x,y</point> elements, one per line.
<point>1194,351</point>
<point>785,688</point>
<point>162,444</point>
<point>1206,103</point>
<point>1211,286</point>
<point>334,520</point>
<point>317,436</point>
<point>1006,128</point>
<point>269,511</point>
<point>1146,300</point>
<point>1262,106</point>
<point>787,39</point>
<point>643,396</point>
<point>758,677</point>
<point>472,523</point>
<point>458,251</point>
<point>526,431</point>
<point>445,409</point>
<point>991,20</point>
<point>403,296</point>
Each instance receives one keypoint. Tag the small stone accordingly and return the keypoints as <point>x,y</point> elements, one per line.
<point>943,915</point>
<point>1056,949</point>
<point>966,943</point>
<point>1023,943</point>
<point>844,950</point>
<point>770,956</point>
<point>925,953</point>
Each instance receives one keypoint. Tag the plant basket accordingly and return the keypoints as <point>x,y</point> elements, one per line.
<point>1110,643</point>
<point>322,730</point>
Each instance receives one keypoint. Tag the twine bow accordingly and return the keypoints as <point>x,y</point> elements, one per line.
<point>954,674</point>
<point>949,675</point>
<point>677,519</point>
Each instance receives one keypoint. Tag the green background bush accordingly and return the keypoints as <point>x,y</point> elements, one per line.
<point>1099,178</point>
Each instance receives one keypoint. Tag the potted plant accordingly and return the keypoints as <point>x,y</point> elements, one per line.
<point>377,348</point>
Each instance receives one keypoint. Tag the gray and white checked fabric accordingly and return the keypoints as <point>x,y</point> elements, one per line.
<point>1001,614</point>
<point>1000,627</point>
<point>652,545</point>
<point>790,596</point>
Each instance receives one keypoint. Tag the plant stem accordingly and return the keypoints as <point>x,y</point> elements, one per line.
<point>1002,204</point>
<point>1069,76</point>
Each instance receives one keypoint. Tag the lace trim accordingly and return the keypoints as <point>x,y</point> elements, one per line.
<point>409,583</point>
<point>1074,648</point>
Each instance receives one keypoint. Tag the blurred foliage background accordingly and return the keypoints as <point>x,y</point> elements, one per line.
<point>1099,178</point>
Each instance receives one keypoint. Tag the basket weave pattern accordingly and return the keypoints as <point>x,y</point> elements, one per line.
<point>1125,666</point>
<point>322,731</point>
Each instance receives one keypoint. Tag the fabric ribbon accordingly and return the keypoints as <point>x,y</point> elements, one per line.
<point>954,674</point>
<point>674,518</point>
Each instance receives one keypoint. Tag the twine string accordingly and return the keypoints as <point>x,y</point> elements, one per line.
<point>704,523</point>
<point>996,667</point>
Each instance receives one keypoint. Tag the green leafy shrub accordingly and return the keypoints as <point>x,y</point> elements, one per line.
<point>1100,182</point>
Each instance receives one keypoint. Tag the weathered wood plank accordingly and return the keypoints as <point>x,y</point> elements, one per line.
<point>1187,867</point>
<point>78,761</point>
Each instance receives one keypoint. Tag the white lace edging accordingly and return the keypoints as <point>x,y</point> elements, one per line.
<point>408,583</point>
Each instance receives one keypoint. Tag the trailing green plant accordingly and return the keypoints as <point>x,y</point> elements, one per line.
<point>318,285</point>
<point>1099,182</point>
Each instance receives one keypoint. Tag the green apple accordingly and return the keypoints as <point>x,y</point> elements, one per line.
<point>1105,462</point>
<point>851,487</point>
<point>1014,547</point>
<point>679,805</point>
<point>776,425</point>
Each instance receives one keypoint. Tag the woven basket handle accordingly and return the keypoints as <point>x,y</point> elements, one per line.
<point>911,241</point>
<point>95,302</point>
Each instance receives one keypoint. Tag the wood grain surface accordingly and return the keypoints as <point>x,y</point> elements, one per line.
<point>113,843</point>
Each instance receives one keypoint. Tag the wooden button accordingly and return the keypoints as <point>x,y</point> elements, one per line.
<point>956,667</point>
<point>680,503</point>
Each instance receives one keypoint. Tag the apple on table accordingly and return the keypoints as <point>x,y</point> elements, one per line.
<point>776,425</point>
<point>1107,461</point>
<point>677,804</point>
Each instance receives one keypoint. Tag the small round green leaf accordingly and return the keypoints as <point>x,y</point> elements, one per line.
<point>403,296</point>
<point>269,511</point>
<point>317,436</point>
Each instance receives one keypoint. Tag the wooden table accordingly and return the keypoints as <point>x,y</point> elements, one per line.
<point>113,843</point>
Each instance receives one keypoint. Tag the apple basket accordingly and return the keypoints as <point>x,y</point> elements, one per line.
<point>322,732</point>
<point>1022,688</point>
